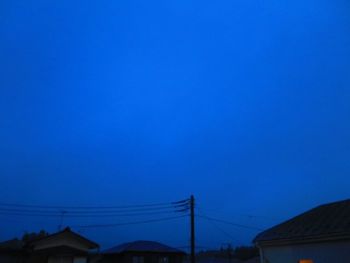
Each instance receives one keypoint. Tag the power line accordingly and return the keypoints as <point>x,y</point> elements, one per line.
<point>170,208</point>
<point>144,212</point>
<point>132,223</point>
<point>260,216</point>
<point>222,230</point>
<point>93,211</point>
<point>249,215</point>
<point>146,206</point>
<point>88,215</point>
<point>229,223</point>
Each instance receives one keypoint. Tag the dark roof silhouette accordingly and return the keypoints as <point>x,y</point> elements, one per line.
<point>142,246</point>
<point>329,221</point>
<point>67,230</point>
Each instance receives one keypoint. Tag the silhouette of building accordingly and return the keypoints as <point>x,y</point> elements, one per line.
<point>317,236</point>
<point>62,247</point>
<point>143,252</point>
<point>11,251</point>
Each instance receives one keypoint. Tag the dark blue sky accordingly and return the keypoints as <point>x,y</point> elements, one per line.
<point>245,104</point>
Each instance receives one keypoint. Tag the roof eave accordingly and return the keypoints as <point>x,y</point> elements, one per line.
<point>302,240</point>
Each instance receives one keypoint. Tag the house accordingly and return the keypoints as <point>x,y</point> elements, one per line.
<point>317,236</point>
<point>11,251</point>
<point>62,247</point>
<point>143,252</point>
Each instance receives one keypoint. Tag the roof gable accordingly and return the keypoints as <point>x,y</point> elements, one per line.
<point>64,237</point>
<point>329,220</point>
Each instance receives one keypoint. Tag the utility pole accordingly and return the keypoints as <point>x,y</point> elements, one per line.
<point>193,250</point>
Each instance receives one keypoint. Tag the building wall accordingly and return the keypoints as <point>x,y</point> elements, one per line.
<point>338,252</point>
<point>14,258</point>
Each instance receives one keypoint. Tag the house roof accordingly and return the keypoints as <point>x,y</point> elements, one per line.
<point>142,246</point>
<point>67,231</point>
<point>323,222</point>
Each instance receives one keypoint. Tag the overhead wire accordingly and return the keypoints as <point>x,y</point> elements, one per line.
<point>93,211</point>
<point>229,223</point>
<point>249,215</point>
<point>147,206</point>
<point>220,229</point>
<point>172,208</point>
<point>90,215</point>
<point>130,223</point>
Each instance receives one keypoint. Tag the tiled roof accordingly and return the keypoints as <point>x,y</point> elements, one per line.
<point>67,231</point>
<point>329,220</point>
<point>142,246</point>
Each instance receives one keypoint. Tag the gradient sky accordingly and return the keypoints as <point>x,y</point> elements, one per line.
<point>245,104</point>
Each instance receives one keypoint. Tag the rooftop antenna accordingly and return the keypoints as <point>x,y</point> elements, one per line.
<point>62,218</point>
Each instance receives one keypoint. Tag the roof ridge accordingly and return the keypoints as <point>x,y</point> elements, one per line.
<point>321,220</point>
<point>66,230</point>
<point>143,245</point>
<point>127,245</point>
<point>335,202</point>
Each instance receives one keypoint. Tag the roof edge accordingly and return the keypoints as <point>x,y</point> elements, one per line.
<point>128,248</point>
<point>259,238</point>
<point>68,230</point>
<point>303,240</point>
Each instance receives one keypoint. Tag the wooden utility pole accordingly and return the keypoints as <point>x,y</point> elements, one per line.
<point>193,250</point>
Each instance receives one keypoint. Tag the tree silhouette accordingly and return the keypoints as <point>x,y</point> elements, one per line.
<point>29,237</point>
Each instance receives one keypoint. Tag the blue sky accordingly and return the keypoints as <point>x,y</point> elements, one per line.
<point>245,104</point>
